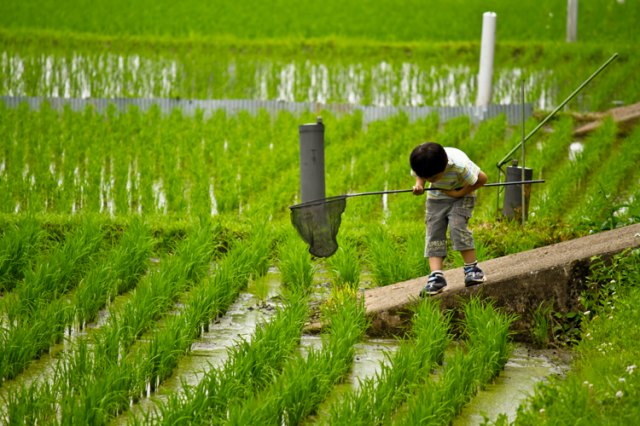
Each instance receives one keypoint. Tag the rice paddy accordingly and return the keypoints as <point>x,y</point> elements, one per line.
<point>149,272</point>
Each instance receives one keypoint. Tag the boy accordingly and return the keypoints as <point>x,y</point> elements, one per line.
<point>456,178</point>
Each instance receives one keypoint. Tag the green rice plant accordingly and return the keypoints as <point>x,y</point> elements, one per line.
<point>24,343</point>
<point>569,184</point>
<point>35,322</point>
<point>55,275</point>
<point>392,262</point>
<point>260,287</point>
<point>488,328</point>
<point>345,266</point>
<point>296,268</point>
<point>464,372</point>
<point>604,200</point>
<point>18,246</point>
<point>24,406</point>
<point>117,274</point>
<point>207,301</point>
<point>377,398</point>
<point>251,366</point>
<point>305,382</point>
<point>156,360</point>
<point>156,293</point>
<point>104,381</point>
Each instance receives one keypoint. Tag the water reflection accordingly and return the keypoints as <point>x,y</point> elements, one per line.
<point>382,84</point>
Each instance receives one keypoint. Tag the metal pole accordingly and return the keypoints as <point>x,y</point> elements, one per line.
<point>312,181</point>
<point>486,59</point>
<point>572,20</point>
<point>522,177</point>
<point>558,108</point>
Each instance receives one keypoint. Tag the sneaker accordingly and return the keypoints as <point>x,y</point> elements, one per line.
<point>473,275</point>
<point>435,284</point>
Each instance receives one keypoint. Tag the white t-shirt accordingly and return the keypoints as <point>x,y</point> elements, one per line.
<point>460,171</point>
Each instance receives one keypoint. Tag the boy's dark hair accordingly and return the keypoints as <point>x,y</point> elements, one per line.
<point>428,159</point>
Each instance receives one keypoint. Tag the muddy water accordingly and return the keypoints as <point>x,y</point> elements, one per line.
<point>524,369</point>
<point>369,356</point>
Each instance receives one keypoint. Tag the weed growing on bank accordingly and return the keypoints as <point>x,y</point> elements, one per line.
<point>603,386</point>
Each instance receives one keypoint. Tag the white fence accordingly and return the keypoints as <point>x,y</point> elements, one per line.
<point>190,106</point>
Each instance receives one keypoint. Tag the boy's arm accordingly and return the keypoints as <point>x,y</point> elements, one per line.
<point>459,193</point>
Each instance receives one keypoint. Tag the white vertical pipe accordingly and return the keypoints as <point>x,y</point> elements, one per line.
<point>572,20</point>
<point>486,58</point>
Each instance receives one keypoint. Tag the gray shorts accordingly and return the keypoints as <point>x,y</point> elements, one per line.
<point>451,213</point>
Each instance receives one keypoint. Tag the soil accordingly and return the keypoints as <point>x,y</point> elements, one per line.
<point>626,117</point>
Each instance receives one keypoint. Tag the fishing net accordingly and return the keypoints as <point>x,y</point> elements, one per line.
<point>318,222</point>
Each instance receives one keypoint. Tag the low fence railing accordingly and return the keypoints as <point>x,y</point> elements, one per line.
<point>513,112</point>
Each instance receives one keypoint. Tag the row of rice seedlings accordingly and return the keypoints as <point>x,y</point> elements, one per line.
<point>91,364</point>
<point>118,271</point>
<point>201,166</point>
<point>36,316</point>
<point>377,398</point>
<point>545,154</point>
<point>568,184</point>
<point>604,201</point>
<point>252,364</point>
<point>465,371</point>
<point>250,367</point>
<point>118,274</point>
<point>156,294</point>
<point>305,382</point>
<point>296,270</point>
<point>18,245</point>
<point>23,343</point>
<point>149,365</point>
<point>378,77</point>
<point>392,261</point>
<point>55,274</point>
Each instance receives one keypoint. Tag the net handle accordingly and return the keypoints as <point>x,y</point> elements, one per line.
<point>397,191</point>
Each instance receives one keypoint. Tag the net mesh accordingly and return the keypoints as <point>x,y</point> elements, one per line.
<point>318,222</point>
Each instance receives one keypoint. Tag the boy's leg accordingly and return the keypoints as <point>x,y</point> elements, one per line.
<point>472,273</point>
<point>436,245</point>
<point>469,256</point>
<point>462,240</point>
<point>435,263</point>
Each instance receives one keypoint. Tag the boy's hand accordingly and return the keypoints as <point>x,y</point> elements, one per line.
<point>418,188</point>
<point>455,193</point>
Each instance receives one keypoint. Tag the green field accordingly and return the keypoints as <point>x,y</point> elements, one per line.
<point>601,21</point>
<point>125,236</point>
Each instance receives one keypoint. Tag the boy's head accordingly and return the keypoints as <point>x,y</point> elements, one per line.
<point>428,160</point>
